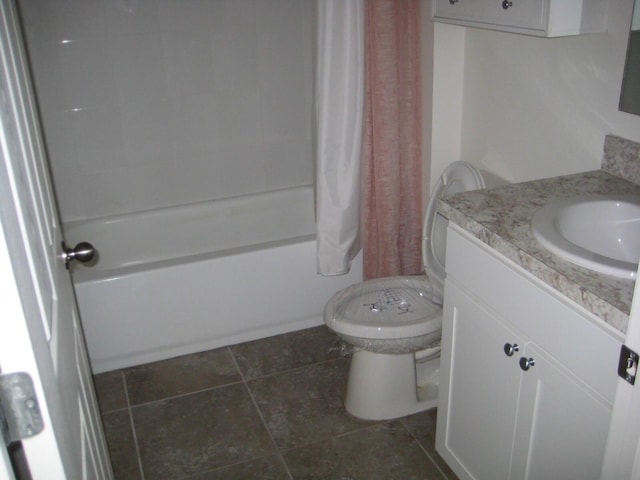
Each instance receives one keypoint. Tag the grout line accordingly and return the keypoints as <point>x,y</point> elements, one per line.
<point>444,476</point>
<point>222,467</point>
<point>133,427</point>
<point>264,423</point>
<point>294,369</point>
<point>343,434</point>
<point>113,410</point>
<point>173,397</point>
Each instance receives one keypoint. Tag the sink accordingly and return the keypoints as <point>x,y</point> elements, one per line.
<point>599,232</point>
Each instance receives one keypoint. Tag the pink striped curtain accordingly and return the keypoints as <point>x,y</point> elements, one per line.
<point>391,206</point>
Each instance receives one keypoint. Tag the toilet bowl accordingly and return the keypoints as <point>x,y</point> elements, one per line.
<point>395,323</point>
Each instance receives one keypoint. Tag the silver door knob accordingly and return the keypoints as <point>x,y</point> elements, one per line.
<point>83,252</point>
<point>526,363</point>
<point>510,349</point>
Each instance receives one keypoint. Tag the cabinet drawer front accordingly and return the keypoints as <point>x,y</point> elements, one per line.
<point>528,14</point>
<point>572,335</point>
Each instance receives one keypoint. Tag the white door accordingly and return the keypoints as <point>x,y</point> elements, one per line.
<point>40,331</point>
<point>622,458</point>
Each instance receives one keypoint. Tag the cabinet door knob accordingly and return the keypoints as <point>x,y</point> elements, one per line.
<point>453,2</point>
<point>526,363</point>
<point>506,4</point>
<point>510,349</point>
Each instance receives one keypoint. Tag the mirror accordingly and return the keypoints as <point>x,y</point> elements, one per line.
<point>630,92</point>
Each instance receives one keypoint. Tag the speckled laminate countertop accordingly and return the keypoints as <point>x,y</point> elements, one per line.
<point>500,218</point>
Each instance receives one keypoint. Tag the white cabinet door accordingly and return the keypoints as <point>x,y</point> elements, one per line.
<point>561,423</point>
<point>498,421</point>
<point>478,390</point>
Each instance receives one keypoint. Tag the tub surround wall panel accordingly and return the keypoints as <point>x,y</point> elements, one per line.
<point>156,103</point>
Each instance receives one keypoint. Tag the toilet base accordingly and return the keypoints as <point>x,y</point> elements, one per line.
<point>384,386</point>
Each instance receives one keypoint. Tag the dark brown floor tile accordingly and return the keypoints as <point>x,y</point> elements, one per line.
<point>110,390</point>
<point>180,375</point>
<point>423,427</point>
<point>270,468</point>
<point>122,449</point>
<point>196,433</point>
<point>305,405</point>
<point>285,352</point>
<point>381,452</point>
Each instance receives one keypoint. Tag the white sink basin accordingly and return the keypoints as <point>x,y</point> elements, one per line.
<point>598,232</point>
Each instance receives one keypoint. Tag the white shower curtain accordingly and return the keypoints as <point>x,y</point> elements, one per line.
<point>339,115</point>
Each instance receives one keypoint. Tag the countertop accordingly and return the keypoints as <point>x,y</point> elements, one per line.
<point>500,218</point>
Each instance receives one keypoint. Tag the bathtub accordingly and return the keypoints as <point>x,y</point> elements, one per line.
<point>185,279</point>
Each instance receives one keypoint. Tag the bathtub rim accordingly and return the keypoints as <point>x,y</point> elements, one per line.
<point>84,274</point>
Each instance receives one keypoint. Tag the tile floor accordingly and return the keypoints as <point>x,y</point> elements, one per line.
<point>269,409</point>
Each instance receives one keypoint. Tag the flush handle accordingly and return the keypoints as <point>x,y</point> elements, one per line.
<point>83,252</point>
<point>510,349</point>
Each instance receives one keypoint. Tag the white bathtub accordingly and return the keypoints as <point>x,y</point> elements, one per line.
<point>185,279</point>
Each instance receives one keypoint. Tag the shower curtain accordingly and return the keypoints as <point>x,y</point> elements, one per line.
<point>391,222</point>
<point>369,175</point>
<point>339,112</point>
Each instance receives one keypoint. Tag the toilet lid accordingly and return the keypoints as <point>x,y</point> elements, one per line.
<point>458,177</point>
<point>385,308</point>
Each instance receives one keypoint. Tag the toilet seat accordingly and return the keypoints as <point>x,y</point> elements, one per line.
<point>396,308</point>
<point>403,314</point>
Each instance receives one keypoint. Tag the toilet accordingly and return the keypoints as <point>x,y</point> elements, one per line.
<point>395,323</point>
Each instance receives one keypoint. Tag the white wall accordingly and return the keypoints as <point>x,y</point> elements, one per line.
<point>151,103</point>
<point>529,107</point>
<point>427,62</point>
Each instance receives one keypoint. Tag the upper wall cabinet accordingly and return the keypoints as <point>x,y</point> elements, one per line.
<point>542,18</point>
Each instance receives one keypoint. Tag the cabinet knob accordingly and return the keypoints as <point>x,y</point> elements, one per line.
<point>506,4</point>
<point>510,349</point>
<point>453,2</point>
<point>526,363</point>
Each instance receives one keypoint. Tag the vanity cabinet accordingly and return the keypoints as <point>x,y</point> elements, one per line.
<point>527,377</point>
<point>544,18</point>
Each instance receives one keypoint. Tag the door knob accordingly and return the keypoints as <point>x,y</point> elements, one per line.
<point>506,4</point>
<point>83,252</point>
<point>526,363</point>
<point>510,349</point>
